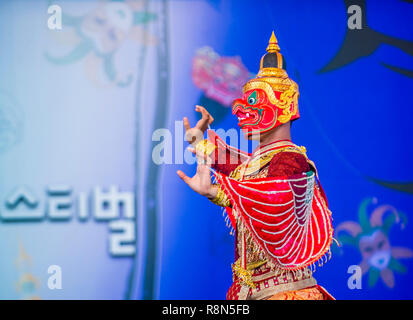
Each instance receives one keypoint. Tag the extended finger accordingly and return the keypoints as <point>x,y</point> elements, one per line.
<point>183,176</point>
<point>204,117</point>
<point>205,114</point>
<point>202,124</point>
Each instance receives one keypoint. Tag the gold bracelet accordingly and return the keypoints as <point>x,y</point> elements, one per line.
<point>221,198</point>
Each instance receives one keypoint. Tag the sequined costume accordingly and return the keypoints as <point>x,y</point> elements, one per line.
<point>272,197</point>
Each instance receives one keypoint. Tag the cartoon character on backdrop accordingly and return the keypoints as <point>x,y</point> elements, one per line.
<point>362,42</point>
<point>98,35</point>
<point>371,237</point>
<point>219,78</point>
<point>273,198</point>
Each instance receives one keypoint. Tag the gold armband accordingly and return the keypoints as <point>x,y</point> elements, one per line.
<point>221,198</point>
<point>205,147</point>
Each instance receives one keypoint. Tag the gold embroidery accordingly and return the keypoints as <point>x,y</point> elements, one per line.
<point>271,146</point>
<point>244,275</point>
<point>257,164</point>
<point>273,72</point>
<point>257,167</point>
<point>263,159</point>
<point>257,264</point>
<point>236,174</point>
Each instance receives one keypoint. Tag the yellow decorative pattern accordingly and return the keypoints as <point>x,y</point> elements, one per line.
<point>272,79</point>
<point>264,158</point>
<point>256,264</point>
<point>274,72</point>
<point>221,198</point>
<point>244,275</point>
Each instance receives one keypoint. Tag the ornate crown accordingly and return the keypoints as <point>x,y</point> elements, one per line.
<point>273,76</point>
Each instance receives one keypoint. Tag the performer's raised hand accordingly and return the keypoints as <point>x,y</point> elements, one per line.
<point>201,181</point>
<point>196,134</point>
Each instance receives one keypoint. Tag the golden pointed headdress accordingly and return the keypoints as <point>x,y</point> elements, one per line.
<point>273,76</point>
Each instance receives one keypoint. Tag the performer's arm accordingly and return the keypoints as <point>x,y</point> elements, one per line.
<point>201,181</point>
<point>222,159</point>
<point>215,152</point>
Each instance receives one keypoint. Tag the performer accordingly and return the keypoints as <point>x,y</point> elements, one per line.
<point>273,197</point>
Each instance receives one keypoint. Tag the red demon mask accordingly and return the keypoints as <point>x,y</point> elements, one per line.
<point>255,112</point>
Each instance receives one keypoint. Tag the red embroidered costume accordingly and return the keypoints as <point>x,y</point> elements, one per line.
<point>272,197</point>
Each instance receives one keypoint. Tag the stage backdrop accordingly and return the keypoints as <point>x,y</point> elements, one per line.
<point>86,209</point>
